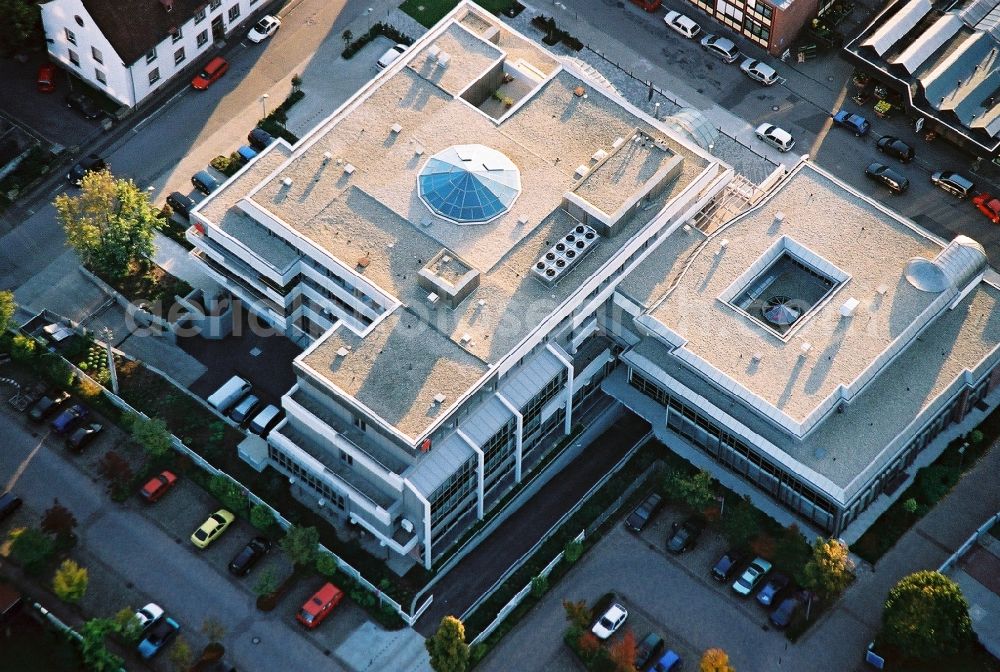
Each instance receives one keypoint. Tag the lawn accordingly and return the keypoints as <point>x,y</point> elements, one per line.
<point>150,285</point>
<point>429,12</point>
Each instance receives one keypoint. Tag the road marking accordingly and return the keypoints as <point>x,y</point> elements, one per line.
<point>24,464</point>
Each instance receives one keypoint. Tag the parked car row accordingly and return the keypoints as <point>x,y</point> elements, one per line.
<point>649,652</point>
<point>68,420</point>
<point>235,398</point>
<point>777,593</point>
<point>158,629</point>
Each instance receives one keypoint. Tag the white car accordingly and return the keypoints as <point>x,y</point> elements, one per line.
<point>682,24</point>
<point>609,623</point>
<point>778,138</point>
<point>264,29</point>
<point>389,57</point>
<point>758,71</point>
<point>720,47</point>
<point>752,576</point>
<point>148,615</point>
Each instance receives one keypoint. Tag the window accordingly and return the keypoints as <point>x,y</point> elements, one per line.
<point>346,457</point>
<point>74,58</point>
<point>179,56</point>
<point>70,36</point>
<point>360,423</point>
<point>154,75</point>
<point>151,55</point>
<point>100,76</point>
<point>234,13</point>
<point>202,38</point>
<point>761,8</point>
<point>178,36</point>
<point>199,16</point>
<point>97,55</point>
<point>215,4</point>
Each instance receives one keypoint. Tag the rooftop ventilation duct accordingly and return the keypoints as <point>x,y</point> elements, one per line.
<point>849,307</point>
<point>287,181</point>
<point>565,254</point>
<point>958,264</point>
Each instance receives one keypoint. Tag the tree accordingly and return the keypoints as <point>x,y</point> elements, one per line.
<point>539,584</point>
<point>110,223</point>
<point>7,307</point>
<point>261,517</point>
<point>267,582</point>
<point>301,545</point>
<point>31,548</point>
<point>180,655</point>
<point>622,652</point>
<point>116,470</point>
<point>347,36</point>
<point>325,564</point>
<point>23,348</point>
<point>152,434</point>
<point>577,613</point>
<point>59,522</point>
<point>572,551</point>
<point>926,616</point>
<point>22,22</point>
<point>792,551</point>
<point>830,570</point>
<point>695,491</point>
<point>70,582</point>
<point>449,652</point>
<point>94,647</point>
<point>127,625</point>
<point>715,660</point>
<point>740,523</point>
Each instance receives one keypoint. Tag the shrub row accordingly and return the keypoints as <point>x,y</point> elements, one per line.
<point>380,28</point>
<point>553,34</point>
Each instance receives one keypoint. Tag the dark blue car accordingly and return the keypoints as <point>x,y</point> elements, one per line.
<point>852,122</point>
<point>69,418</point>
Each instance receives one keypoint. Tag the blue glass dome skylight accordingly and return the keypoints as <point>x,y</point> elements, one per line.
<point>469,183</point>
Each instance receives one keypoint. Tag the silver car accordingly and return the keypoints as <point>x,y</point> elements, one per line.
<point>759,71</point>
<point>720,47</point>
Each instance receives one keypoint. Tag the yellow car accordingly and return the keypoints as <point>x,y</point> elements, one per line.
<point>212,528</point>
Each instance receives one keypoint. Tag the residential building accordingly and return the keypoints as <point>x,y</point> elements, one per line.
<point>130,48</point>
<point>942,60</point>
<point>771,25</point>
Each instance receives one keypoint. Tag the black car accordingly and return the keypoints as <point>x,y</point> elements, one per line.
<point>81,437</point>
<point>255,549</point>
<point>644,513</point>
<point>180,203</point>
<point>893,146</point>
<point>783,615</point>
<point>727,566</point>
<point>772,589</point>
<point>47,405</point>
<point>87,164</point>
<point>648,650</point>
<point>81,103</point>
<point>9,503</point>
<point>683,536</point>
<point>259,139</point>
<point>887,176</point>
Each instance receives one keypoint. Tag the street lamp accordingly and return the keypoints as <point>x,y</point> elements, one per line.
<point>263,103</point>
<point>961,455</point>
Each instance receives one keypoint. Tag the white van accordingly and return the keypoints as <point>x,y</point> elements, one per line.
<point>682,24</point>
<point>230,393</point>
<point>264,421</point>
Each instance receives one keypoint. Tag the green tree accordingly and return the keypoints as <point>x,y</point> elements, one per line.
<point>715,660</point>
<point>93,645</point>
<point>261,517</point>
<point>70,582</point>
<point>110,223</point>
<point>572,551</point>
<point>267,582</point>
<point>347,36</point>
<point>180,655</point>
<point>23,348</point>
<point>325,564</point>
<point>301,544</point>
<point>696,490</point>
<point>830,570</point>
<point>792,551</point>
<point>926,616</point>
<point>152,434</point>
<point>31,548</point>
<point>539,584</point>
<point>59,522</point>
<point>449,652</point>
<point>127,625</point>
<point>228,492</point>
<point>740,522</point>
<point>21,25</point>
<point>7,305</point>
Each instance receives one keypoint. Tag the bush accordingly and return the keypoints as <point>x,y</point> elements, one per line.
<point>23,348</point>
<point>228,493</point>
<point>326,564</point>
<point>31,548</point>
<point>572,551</point>
<point>261,517</point>
<point>935,481</point>
<point>539,585</point>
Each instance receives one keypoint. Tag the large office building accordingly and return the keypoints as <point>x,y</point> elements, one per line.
<point>483,240</point>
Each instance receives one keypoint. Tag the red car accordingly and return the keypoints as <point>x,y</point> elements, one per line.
<point>988,205</point>
<point>216,68</point>
<point>46,78</point>
<point>158,486</point>
<point>319,606</point>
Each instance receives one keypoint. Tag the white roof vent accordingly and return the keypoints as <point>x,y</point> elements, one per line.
<point>432,298</point>
<point>522,220</point>
<point>599,155</point>
<point>446,259</point>
<point>342,352</point>
<point>439,398</point>
<point>443,59</point>
<point>806,347</point>
<point>881,290</point>
<point>722,246</point>
<point>466,338</point>
<point>406,525</point>
<point>287,181</point>
<point>433,51</point>
<point>779,218</point>
<point>321,503</point>
<point>581,171</point>
<point>619,141</point>
<point>396,128</point>
<point>757,356</point>
<point>418,150</point>
<point>349,169</point>
<point>327,156</point>
<point>481,303</point>
<point>686,228</point>
<point>849,307</point>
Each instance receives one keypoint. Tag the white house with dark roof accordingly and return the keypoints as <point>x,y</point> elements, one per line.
<point>129,48</point>
<point>465,271</point>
